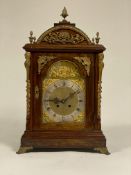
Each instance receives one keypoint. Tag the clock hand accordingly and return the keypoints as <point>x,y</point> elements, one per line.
<point>55,100</point>
<point>71,95</point>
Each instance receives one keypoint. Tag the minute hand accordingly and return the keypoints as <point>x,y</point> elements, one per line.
<point>71,95</point>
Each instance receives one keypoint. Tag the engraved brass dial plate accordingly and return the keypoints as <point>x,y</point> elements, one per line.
<point>63,97</point>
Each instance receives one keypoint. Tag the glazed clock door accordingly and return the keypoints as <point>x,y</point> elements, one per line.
<point>63,85</point>
<point>63,101</point>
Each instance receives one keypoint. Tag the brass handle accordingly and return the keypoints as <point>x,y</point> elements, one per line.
<point>36,92</point>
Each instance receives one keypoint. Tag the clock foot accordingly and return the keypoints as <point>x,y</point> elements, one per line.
<point>24,149</point>
<point>102,150</point>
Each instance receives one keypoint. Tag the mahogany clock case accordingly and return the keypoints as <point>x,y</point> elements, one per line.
<point>64,42</point>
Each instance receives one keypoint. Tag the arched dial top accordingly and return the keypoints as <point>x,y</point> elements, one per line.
<point>84,61</point>
<point>63,69</point>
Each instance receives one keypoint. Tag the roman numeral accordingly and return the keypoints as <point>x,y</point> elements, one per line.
<point>64,83</point>
<point>78,109</point>
<point>55,85</point>
<point>48,108</point>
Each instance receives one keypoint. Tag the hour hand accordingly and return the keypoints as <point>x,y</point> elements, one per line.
<point>55,100</point>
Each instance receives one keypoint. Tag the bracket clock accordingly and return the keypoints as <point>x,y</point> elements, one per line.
<point>64,70</point>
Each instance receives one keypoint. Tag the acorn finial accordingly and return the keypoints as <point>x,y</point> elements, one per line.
<point>64,13</point>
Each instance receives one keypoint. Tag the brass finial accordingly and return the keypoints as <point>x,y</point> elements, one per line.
<point>64,13</point>
<point>97,38</point>
<point>31,38</point>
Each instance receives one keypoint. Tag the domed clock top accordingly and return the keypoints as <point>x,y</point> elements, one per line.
<point>64,32</point>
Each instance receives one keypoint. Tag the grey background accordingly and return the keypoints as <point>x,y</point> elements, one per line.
<point>113,20</point>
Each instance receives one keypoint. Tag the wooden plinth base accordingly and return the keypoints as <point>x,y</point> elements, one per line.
<point>72,140</point>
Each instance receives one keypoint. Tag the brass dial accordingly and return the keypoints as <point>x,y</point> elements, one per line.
<point>63,101</point>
